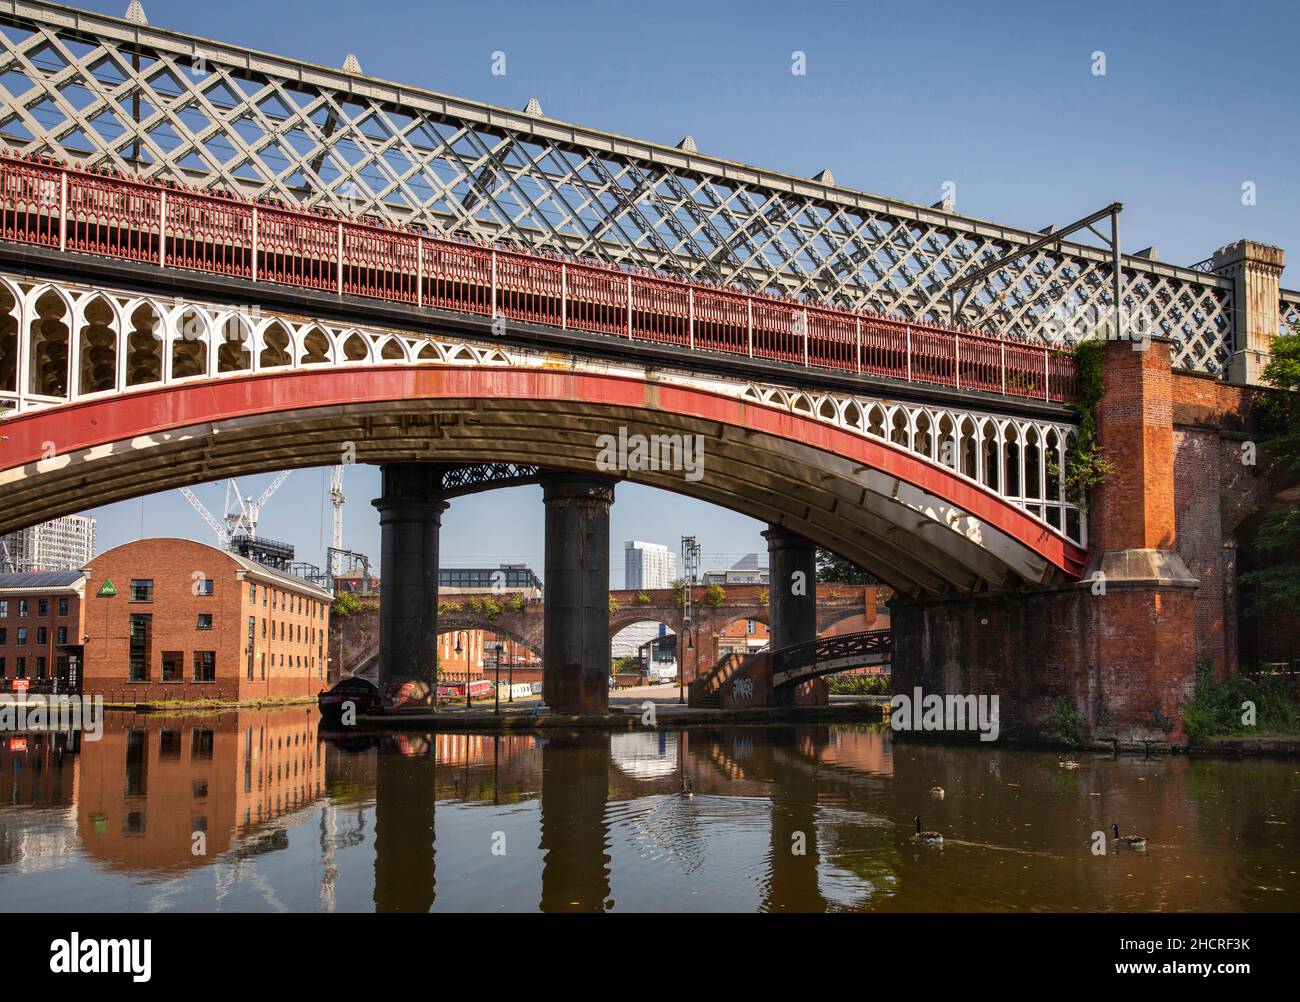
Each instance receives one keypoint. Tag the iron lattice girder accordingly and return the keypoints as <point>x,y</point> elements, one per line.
<point>459,480</point>
<point>221,117</point>
<point>1289,312</point>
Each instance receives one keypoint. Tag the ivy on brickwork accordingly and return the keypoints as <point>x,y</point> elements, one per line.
<point>1085,467</point>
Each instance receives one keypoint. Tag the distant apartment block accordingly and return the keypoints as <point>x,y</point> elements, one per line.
<point>508,578</point>
<point>648,565</point>
<point>746,570</point>
<point>64,544</point>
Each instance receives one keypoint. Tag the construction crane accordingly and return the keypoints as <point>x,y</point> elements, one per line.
<point>338,500</point>
<point>242,517</point>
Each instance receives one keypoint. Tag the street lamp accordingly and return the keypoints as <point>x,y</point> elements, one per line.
<point>469,697</point>
<point>496,689</point>
<point>681,661</point>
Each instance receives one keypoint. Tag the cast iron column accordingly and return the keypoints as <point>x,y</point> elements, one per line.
<point>410,515</point>
<point>792,595</point>
<point>575,649</point>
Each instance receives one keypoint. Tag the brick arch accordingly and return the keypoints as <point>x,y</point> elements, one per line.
<point>521,627</point>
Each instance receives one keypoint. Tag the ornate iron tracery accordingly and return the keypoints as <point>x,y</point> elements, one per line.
<point>165,105</point>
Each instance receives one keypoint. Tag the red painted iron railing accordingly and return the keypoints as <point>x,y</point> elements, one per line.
<point>50,205</point>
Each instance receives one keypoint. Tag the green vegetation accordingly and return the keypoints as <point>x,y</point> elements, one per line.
<point>515,603</point>
<point>764,596</point>
<point>1217,709</point>
<point>1064,726</point>
<point>1084,466</point>
<point>1274,584</point>
<point>835,568</point>
<point>485,605</point>
<point>643,598</point>
<point>613,604</point>
<point>347,604</point>
<point>858,685</point>
<point>715,595</point>
<point>679,593</point>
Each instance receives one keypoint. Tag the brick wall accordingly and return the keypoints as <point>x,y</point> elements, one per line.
<point>34,651</point>
<point>284,616</point>
<point>1122,660</point>
<point>1218,502</point>
<point>1133,508</point>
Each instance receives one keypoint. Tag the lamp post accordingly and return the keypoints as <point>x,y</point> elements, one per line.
<point>469,698</point>
<point>496,661</point>
<point>681,662</point>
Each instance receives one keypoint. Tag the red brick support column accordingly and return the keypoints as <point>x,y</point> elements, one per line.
<point>1143,616</point>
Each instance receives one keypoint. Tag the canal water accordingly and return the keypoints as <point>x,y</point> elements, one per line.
<point>257,810</point>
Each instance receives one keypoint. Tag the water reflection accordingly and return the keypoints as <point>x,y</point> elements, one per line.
<point>575,832</point>
<point>159,793</point>
<point>257,810</point>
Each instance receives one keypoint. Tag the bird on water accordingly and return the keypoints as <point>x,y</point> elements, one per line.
<point>1131,841</point>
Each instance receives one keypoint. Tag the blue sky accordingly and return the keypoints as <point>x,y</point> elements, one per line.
<point>897,99</point>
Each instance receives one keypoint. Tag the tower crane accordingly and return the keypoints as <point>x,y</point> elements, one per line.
<point>242,516</point>
<point>337,499</point>
<point>249,510</point>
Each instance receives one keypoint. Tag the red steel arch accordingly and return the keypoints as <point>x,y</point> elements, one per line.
<point>113,448</point>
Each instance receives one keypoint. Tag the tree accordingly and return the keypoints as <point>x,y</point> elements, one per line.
<point>345,604</point>
<point>1277,542</point>
<point>833,568</point>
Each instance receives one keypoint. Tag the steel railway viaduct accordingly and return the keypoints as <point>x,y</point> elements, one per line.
<point>215,262</point>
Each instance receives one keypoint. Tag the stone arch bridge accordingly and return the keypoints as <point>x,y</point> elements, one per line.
<point>838,607</point>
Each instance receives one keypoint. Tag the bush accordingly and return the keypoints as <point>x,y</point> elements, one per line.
<point>1064,726</point>
<point>715,595</point>
<point>613,604</point>
<point>345,604</point>
<point>515,603</point>
<point>1216,711</point>
<point>859,685</point>
<point>644,598</point>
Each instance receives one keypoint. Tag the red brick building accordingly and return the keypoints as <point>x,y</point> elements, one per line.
<point>41,626</point>
<point>743,636</point>
<point>172,619</point>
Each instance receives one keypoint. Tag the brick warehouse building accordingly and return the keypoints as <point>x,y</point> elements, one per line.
<point>41,626</point>
<point>173,619</point>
